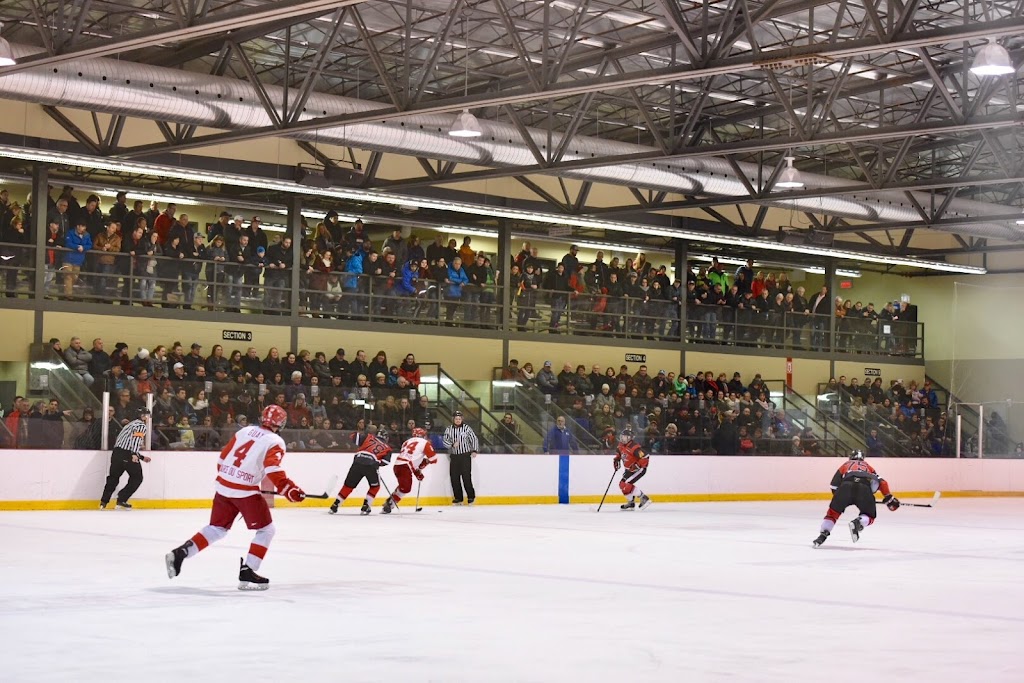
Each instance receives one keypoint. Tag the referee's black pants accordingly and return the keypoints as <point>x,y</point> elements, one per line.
<point>121,462</point>
<point>461,470</point>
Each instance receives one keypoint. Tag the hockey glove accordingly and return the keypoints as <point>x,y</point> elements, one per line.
<point>291,492</point>
<point>418,473</point>
<point>616,463</point>
<point>891,502</point>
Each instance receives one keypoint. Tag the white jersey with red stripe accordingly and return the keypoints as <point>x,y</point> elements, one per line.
<point>252,454</point>
<point>414,451</point>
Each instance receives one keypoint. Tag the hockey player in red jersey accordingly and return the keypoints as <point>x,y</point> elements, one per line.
<point>252,453</point>
<point>414,456</point>
<point>374,453</point>
<point>632,458</point>
<point>855,483</point>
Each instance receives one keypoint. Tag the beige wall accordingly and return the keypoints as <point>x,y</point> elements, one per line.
<point>604,355</point>
<point>18,328</point>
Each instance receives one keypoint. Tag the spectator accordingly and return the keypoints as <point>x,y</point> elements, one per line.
<point>558,439</point>
<point>77,243</point>
<point>547,382</point>
<point>78,360</point>
<point>508,433</point>
<point>410,370</point>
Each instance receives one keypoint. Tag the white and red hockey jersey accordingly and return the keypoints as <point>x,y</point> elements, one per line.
<point>252,453</point>
<point>414,451</point>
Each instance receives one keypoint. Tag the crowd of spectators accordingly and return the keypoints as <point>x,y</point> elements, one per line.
<point>670,413</point>
<point>199,399</point>
<point>157,256</point>
<point>896,418</point>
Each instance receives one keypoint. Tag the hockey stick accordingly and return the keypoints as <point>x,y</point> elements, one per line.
<point>614,472</point>
<point>331,483</point>
<point>390,497</point>
<point>935,499</point>
<point>418,508</point>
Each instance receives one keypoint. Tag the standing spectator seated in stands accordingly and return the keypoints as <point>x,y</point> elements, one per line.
<point>107,244</point>
<point>77,358</point>
<point>557,281</point>
<point>558,439</point>
<point>547,382</point>
<point>410,370</point>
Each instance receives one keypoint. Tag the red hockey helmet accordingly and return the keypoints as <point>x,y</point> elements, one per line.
<point>419,432</point>
<point>274,417</point>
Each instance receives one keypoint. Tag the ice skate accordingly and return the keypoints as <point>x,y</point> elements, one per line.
<point>365,510</point>
<point>644,501</point>
<point>822,537</point>
<point>388,506</point>
<point>470,501</point>
<point>103,506</point>
<point>333,510</point>
<point>124,506</point>
<point>248,580</point>
<point>628,505</point>
<point>855,528</point>
<point>174,559</point>
<point>456,502</point>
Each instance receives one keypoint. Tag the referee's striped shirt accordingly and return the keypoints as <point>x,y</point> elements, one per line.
<point>132,437</point>
<point>461,439</point>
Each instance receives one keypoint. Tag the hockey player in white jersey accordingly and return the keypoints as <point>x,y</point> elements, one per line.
<point>252,453</point>
<point>414,456</point>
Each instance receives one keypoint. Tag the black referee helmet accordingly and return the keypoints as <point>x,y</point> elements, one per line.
<point>142,412</point>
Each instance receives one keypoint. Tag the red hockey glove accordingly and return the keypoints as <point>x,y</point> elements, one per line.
<point>291,492</point>
<point>891,502</point>
<point>418,473</point>
<point>616,463</point>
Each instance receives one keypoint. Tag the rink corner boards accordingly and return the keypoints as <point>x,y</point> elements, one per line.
<point>437,501</point>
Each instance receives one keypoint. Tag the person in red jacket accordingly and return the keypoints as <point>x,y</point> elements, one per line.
<point>632,458</point>
<point>855,483</point>
<point>410,370</point>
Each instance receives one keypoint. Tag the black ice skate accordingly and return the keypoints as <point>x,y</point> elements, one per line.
<point>248,580</point>
<point>822,537</point>
<point>365,510</point>
<point>174,559</point>
<point>123,506</point>
<point>388,506</point>
<point>333,510</point>
<point>628,505</point>
<point>644,501</point>
<point>855,528</point>
<point>103,506</point>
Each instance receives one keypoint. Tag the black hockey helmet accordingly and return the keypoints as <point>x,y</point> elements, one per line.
<point>626,435</point>
<point>142,412</point>
<point>457,413</point>
<point>382,433</point>
<point>857,455</point>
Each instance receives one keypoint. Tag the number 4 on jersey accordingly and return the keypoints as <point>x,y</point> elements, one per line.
<point>239,453</point>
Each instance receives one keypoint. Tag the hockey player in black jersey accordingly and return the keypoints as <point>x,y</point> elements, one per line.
<point>855,483</point>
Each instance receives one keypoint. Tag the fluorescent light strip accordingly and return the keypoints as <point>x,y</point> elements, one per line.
<point>816,270</point>
<point>197,175</point>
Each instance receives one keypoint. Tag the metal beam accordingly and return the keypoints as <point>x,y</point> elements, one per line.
<point>221,23</point>
<point>731,65</point>
<point>754,145</point>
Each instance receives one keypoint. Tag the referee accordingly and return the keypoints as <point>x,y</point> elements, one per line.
<point>125,458</point>
<point>462,445</point>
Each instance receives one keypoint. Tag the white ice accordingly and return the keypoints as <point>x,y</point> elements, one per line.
<point>686,592</point>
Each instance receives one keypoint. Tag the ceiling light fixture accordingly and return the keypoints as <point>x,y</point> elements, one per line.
<point>790,178</point>
<point>465,126</point>
<point>992,60</point>
<point>476,210</point>
<point>6,53</point>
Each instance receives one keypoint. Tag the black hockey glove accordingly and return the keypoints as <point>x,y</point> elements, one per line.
<point>891,502</point>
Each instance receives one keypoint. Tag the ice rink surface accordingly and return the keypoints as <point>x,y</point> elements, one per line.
<point>684,592</point>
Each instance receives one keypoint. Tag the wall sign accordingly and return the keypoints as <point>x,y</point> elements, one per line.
<point>237,335</point>
<point>636,357</point>
<point>872,372</point>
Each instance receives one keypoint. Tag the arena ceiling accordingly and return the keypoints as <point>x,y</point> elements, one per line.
<point>651,111</point>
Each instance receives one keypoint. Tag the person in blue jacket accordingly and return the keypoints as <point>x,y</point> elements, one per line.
<point>558,439</point>
<point>351,282</point>
<point>77,244</point>
<point>456,279</point>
